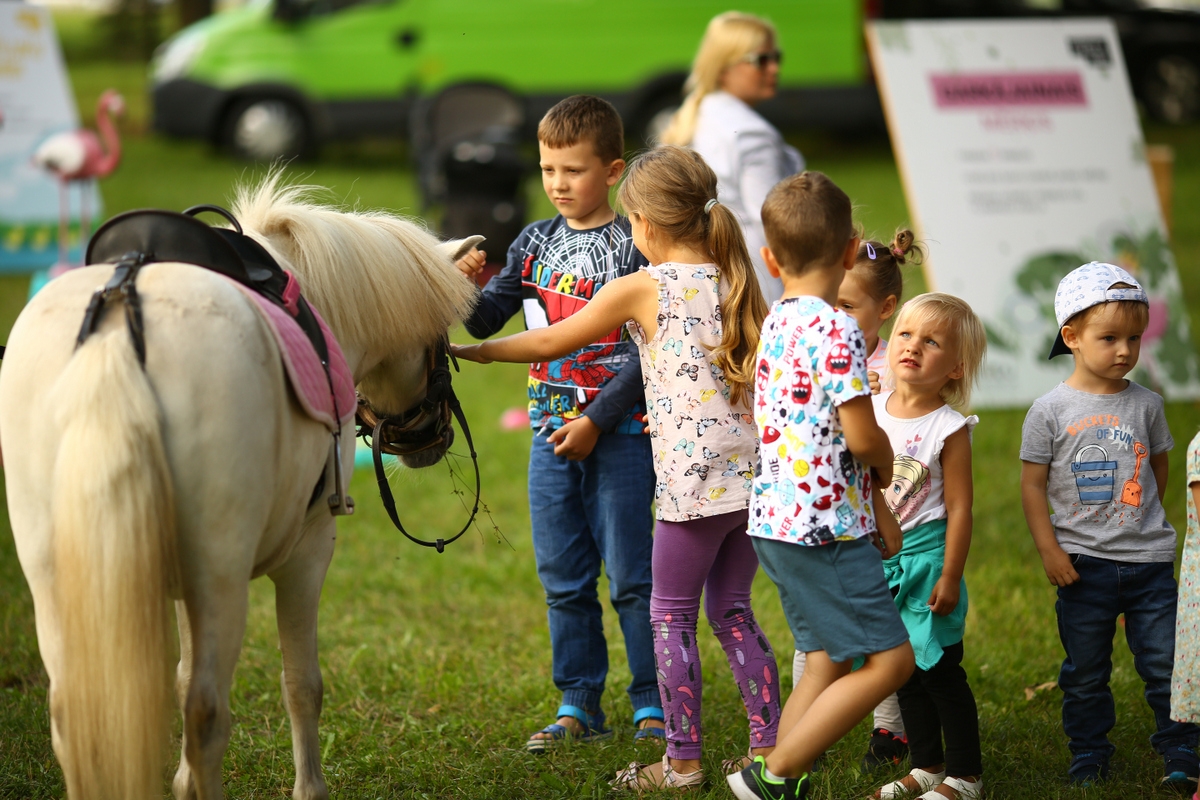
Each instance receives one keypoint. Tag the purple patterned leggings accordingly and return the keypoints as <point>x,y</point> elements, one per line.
<point>715,555</point>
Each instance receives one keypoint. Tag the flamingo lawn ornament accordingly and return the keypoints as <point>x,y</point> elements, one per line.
<point>130,485</point>
<point>78,157</point>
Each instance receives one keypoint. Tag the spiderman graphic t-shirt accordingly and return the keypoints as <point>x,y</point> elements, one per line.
<point>809,490</point>
<point>554,270</point>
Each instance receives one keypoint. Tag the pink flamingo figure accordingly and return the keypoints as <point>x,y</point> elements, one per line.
<point>77,157</point>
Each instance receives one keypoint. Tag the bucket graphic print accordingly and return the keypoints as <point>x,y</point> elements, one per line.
<point>1093,475</point>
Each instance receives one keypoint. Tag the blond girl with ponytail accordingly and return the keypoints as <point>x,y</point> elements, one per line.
<point>737,67</point>
<point>695,314</point>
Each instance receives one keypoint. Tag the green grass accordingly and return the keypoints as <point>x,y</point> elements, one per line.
<point>437,666</point>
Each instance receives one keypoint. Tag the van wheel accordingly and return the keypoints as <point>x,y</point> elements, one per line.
<point>266,128</point>
<point>1171,88</point>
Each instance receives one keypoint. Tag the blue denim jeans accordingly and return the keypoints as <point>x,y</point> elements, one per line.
<point>1087,617</point>
<point>584,513</point>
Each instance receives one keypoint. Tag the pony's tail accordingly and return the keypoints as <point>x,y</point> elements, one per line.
<point>114,554</point>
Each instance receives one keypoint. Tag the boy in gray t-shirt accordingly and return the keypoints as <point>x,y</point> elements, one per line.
<point>1096,447</point>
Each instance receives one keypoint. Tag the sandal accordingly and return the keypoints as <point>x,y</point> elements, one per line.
<point>646,732</point>
<point>636,778</point>
<point>554,735</point>
<point>963,790</point>
<point>926,782</point>
<point>731,765</point>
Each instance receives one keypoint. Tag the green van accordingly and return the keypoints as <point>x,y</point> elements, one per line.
<point>279,77</point>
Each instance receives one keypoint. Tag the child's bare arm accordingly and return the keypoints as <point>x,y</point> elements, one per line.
<point>1055,560</point>
<point>959,494</point>
<point>865,440</point>
<point>891,538</point>
<point>1160,464</point>
<point>631,297</point>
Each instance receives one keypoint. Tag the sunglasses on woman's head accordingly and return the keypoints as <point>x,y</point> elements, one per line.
<point>761,60</point>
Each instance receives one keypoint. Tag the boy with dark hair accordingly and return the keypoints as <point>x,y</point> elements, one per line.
<point>1096,447</point>
<point>591,476</point>
<point>811,510</point>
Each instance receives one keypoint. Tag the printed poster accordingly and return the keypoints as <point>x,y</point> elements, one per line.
<point>1022,158</point>
<point>35,103</point>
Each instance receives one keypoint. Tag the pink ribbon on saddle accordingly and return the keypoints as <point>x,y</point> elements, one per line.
<point>301,362</point>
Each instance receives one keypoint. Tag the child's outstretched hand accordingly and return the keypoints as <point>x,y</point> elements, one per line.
<point>944,597</point>
<point>1059,568</point>
<point>469,352</point>
<point>472,263</point>
<point>576,439</point>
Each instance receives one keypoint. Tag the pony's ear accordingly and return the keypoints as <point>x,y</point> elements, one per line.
<point>457,248</point>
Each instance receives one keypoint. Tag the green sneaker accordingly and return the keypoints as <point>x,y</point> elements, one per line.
<point>752,784</point>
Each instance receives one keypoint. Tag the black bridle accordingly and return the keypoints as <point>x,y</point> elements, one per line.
<point>423,427</point>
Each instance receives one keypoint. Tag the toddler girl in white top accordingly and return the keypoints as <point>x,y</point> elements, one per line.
<point>935,353</point>
<point>695,314</point>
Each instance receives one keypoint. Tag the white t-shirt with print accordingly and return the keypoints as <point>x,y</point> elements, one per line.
<point>916,494</point>
<point>704,447</point>
<point>810,489</point>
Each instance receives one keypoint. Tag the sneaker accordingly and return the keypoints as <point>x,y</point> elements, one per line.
<point>1180,769</point>
<point>885,749</point>
<point>1088,769</point>
<point>752,783</point>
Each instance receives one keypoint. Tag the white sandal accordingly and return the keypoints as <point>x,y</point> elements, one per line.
<point>634,778</point>
<point>963,790</point>
<point>926,781</point>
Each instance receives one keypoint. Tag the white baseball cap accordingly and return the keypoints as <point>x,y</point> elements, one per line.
<point>1087,286</point>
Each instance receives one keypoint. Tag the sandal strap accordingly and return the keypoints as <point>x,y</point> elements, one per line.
<point>680,780</point>
<point>926,781</point>
<point>966,790</point>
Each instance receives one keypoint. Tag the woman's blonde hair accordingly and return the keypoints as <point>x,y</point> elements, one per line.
<point>669,188</point>
<point>968,332</point>
<point>728,39</point>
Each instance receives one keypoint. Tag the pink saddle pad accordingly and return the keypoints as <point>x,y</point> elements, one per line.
<point>302,363</point>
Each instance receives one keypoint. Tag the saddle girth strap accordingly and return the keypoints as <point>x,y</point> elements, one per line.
<point>122,285</point>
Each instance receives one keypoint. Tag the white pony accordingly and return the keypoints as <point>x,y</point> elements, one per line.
<point>129,487</point>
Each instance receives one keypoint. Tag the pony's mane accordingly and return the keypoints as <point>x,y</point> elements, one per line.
<point>376,278</point>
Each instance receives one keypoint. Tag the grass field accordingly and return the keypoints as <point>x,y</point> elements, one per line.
<point>437,667</point>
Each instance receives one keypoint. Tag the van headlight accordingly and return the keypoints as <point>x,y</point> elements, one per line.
<point>175,57</point>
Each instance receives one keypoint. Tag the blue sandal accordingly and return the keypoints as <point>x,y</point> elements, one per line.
<point>554,735</point>
<point>645,732</point>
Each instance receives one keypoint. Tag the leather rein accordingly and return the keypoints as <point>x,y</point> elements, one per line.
<point>422,427</point>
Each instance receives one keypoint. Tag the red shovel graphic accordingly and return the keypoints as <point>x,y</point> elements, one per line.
<point>1131,492</point>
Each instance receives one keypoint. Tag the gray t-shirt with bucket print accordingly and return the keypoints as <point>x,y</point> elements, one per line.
<point>1101,487</point>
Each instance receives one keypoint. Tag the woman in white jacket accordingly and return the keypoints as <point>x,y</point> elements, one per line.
<point>736,67</point>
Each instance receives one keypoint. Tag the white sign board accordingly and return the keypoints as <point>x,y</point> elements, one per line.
<point>1021,155</point>
<point>35,102</point>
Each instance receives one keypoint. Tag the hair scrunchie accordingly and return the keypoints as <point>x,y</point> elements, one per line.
<point>897,252</point>
<point>709,205</point>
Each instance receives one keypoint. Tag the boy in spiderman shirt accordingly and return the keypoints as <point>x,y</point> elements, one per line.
<point>591,476</point>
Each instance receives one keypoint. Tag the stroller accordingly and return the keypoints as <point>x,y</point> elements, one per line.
<point>467,144</point>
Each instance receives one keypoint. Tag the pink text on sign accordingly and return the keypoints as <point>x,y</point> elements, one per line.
<point>1009,89</point>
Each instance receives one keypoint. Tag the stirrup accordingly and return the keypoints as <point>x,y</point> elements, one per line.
<point>965,790</point>
<point>926,781</point>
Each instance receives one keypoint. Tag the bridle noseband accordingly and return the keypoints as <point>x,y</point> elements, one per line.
<point>423,427</point>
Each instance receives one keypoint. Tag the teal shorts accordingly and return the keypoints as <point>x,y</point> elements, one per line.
<point>834,596</point>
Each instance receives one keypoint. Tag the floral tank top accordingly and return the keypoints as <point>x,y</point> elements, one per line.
<point>705,450</point>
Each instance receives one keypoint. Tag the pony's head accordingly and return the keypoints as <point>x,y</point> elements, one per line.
<point>385,285</point>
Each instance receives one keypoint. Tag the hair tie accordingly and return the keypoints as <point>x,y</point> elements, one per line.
<point>870,251</point>
<point>708,206</point>
<point>897,252</point>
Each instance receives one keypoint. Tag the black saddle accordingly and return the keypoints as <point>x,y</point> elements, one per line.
<point>152,235</point>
